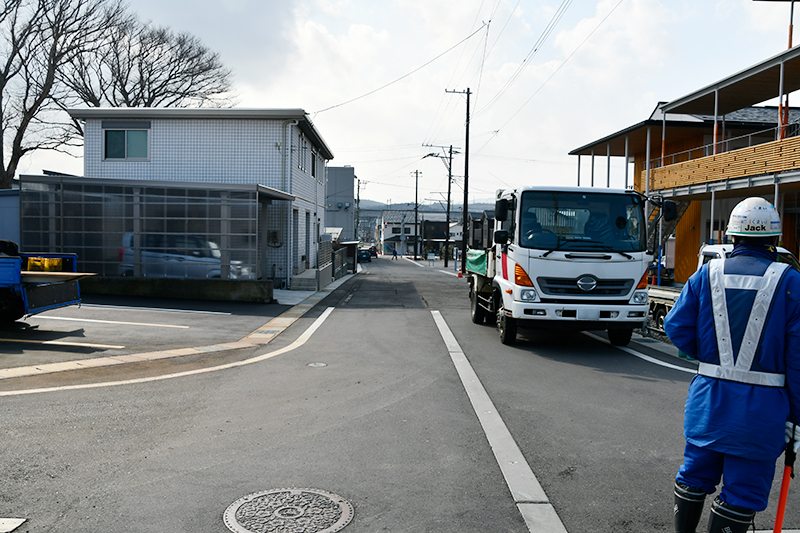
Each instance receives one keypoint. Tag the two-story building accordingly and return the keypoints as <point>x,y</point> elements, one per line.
<point>709,150</point>
<point>247,184</point>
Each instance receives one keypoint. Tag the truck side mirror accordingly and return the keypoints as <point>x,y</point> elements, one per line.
<point>501,210</point>
<point>501,235</point>
<point>670,210</point>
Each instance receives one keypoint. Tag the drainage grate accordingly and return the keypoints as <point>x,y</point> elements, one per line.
<point>288,511</point>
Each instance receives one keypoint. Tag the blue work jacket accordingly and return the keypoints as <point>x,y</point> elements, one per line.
<point>727,416</point>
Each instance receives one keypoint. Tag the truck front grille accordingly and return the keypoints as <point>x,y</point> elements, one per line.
<point>569,287</point>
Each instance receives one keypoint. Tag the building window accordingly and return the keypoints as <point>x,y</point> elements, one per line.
<point>395,230</point>
<point>126,144</point>
<point>407,231</point>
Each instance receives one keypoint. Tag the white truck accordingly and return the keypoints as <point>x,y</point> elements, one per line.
<point>565,257</point>
<point>663,298</point>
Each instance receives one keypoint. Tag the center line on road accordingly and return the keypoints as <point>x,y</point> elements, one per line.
<point>530,498</point>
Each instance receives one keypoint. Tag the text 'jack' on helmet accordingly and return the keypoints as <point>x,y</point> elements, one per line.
<point>754,217</point>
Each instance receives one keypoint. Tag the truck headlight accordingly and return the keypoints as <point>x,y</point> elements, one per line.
<point>527,295</point>
<point>639,297</point>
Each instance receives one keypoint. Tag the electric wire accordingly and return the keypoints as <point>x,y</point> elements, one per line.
<point>553,74</point>
<point>465,39</point>
<point>557,16</point>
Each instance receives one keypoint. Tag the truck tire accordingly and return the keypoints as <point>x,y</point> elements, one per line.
<point>11,306</point>
<point>659,316</point>
<point>477,313</point>
<point>507,327</point>
<point>620,337</point>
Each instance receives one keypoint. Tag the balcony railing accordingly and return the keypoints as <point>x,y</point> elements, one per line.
<point>765,158</point>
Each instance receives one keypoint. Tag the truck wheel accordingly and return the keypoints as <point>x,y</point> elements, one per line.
<point>11,307</point>
<point>477,313</point>
<point>620,337</point>
<point>507,326</point>
<point>658,318</point>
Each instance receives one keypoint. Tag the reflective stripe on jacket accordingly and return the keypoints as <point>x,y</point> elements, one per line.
<point>736,403</point>
<point>765,285</point>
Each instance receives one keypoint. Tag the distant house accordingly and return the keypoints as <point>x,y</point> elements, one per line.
<point>398,232</point>
<point>259,175</point>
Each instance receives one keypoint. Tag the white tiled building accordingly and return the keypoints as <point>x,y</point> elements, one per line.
<point>277,148</point>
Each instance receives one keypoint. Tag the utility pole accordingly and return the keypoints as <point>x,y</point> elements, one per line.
<point>464,231</point>
<point>358,209</point>
<point>449,184</point>
<point>416,212</point>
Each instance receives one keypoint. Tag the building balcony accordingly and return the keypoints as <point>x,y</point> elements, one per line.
<point>764,158</point>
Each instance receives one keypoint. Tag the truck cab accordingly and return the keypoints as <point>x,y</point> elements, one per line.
<point>569,257</point>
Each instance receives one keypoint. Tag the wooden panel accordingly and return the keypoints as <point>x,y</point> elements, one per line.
<point>687,242</point>
<point>776,156</point>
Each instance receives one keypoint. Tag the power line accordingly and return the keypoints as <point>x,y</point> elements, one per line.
<point>401,77</point>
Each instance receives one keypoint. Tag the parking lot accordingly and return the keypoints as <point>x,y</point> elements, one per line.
<point>109,331</point>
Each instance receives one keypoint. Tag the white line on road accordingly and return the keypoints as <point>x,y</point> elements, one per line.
<point>414,262</point>
<point>448,272</point>
<point>643,356</point>
<point>301,340</point>
<point>134,308</point>
<point>66,343</point>
<point>530,498</point>
<point>111,322</point>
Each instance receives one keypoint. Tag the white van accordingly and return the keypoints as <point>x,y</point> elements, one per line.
<point>723,251</point>
<point>175,256</point>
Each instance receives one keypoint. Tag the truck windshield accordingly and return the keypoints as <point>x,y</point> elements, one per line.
<point>582,221</point>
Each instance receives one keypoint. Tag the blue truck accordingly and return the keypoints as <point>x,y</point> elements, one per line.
<point>34,282</point>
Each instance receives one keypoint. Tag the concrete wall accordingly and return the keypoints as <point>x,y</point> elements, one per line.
<point>191,289</point>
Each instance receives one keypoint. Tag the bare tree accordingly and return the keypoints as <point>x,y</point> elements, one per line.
<point>139,65</point>
<point>38,38</point>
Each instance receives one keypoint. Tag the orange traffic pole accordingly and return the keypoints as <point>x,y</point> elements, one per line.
<point>788,474</point>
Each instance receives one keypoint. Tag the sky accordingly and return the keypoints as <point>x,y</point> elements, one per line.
<point>384,81</point>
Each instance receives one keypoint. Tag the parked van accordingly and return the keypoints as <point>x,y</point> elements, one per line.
<point>176,256</point>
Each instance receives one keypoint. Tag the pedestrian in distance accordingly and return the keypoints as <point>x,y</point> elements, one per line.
<point>740,318</point>
<point>394,254</point>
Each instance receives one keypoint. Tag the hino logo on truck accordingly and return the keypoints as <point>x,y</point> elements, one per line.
<point>587,283</point>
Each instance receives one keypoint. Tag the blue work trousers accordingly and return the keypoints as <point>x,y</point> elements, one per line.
<point>746,482</point>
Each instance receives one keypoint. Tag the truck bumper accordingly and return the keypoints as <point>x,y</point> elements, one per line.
<point>579,316</point>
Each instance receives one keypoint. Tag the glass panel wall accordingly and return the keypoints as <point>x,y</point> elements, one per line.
<point>143,231</point>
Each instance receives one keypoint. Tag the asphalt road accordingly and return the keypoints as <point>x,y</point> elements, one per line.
<point>368,407</point>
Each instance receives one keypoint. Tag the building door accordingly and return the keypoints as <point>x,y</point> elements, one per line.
<point>295,241</point>
<point>308,240</point>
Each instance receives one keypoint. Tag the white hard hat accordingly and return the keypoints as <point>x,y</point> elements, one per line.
<point>754,217</point>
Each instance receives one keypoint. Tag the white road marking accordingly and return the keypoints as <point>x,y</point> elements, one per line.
<point>111,322</point>
<point>293,346</point>
<point>530,498</point>
<point>448,272</point>
<point>10,524</point>
<point>643,356</point>
<point>414,262</point>
<point>65,343</point>
<point>134,308</point>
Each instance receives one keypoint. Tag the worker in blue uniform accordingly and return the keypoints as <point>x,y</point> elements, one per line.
<point>740,318</point>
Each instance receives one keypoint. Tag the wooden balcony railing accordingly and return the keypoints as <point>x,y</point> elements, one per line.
<point>775,156</point>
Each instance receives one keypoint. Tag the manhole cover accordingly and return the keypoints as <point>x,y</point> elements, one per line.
<point>288,511</point>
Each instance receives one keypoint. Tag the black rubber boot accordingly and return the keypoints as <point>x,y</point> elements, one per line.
<point>726,518</point>
<point>688,507</point>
